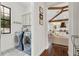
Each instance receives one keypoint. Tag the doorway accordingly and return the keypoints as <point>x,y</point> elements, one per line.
<point>58,29</point>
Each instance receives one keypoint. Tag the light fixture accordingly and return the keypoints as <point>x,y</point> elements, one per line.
<point>63,25</point>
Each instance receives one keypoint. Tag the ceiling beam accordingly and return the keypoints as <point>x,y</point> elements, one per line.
<point>55,8</point>
<point>65,7</point>
<point>59,20</point>
<point>58,14</point>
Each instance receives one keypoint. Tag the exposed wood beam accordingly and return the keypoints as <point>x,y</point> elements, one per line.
<point>58,14</point>
<point>59,20</point>
<point>55,8</point>
<point>65,10</point>
<point>65,7</point>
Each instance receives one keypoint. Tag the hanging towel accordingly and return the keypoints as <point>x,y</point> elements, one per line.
<point>21,41</point>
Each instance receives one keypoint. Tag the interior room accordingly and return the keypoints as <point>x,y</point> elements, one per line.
<point>39,29</point>
<point>58,29</point>
<point>15,29</point>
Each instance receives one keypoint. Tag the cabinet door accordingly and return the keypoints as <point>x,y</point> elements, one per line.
<point>57,50</point>
<point>65,51</point>
<point>26,19</point>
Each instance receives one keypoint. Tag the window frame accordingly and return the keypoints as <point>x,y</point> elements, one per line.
<point>6,19</point>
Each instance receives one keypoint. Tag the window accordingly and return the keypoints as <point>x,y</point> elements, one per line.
<point>5,19</point>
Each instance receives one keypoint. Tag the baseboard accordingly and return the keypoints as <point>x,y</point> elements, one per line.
<point>44,53</point>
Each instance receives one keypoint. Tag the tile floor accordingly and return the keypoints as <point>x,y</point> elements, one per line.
<point>15,52</point>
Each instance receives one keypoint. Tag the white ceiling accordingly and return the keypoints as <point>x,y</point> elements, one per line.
<point>52,13</point>
<point>61,4</point>
<point>50,4</point>
<point>24,4</point>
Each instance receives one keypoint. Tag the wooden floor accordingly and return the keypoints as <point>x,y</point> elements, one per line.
<point>56,50</point>
<point>45,53</point>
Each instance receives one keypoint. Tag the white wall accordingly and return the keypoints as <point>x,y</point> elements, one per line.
<point>74,23</point>
<point>7,40</point>
<point>39,35</point>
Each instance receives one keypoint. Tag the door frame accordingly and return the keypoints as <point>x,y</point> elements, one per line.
<point>70,28</point>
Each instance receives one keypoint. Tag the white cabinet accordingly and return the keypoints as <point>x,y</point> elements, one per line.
<point>26,19</point>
